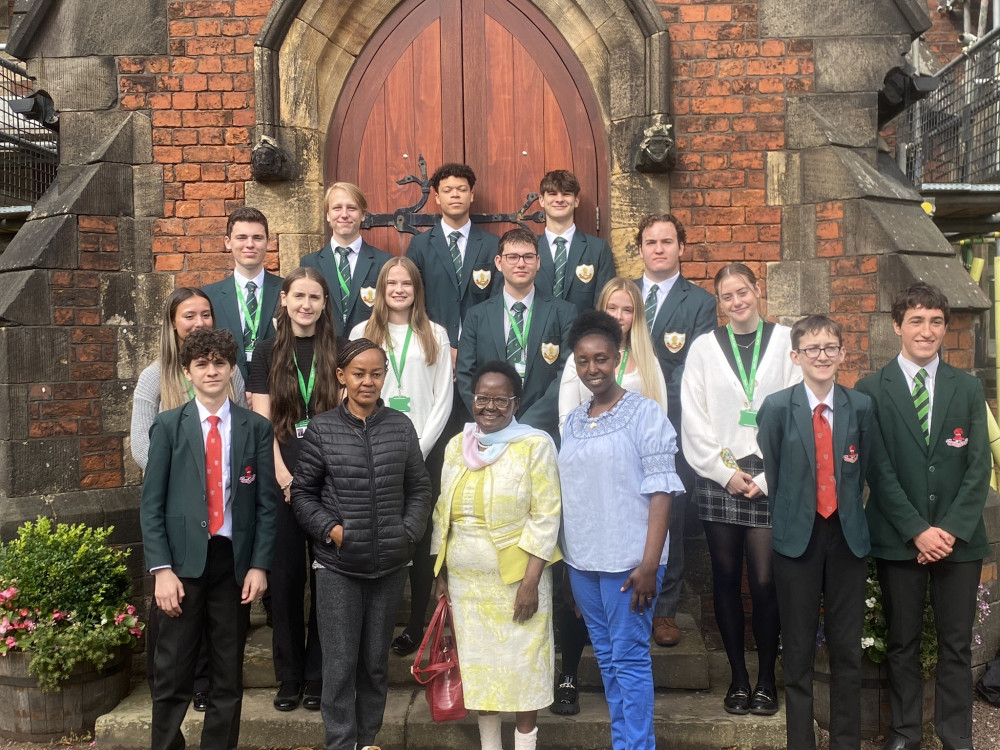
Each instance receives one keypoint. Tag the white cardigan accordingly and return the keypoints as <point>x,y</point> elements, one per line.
<point>429,387</point>
<point>712,397</point>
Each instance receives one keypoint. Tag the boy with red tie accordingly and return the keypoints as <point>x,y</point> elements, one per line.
<point>816,438</point>
<point>207,515</point>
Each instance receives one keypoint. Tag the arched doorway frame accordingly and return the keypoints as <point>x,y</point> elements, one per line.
<point>307,49</point>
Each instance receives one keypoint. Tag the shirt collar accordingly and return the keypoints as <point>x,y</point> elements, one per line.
<point>464,229</point>
<point>528,299</point>
<point>910,369</point>
<point>665,285</point>
<point>551,237</point>
<point>814,401</point>
<point>242,280</point>
<point>355,247</point>
<point>204,413</point>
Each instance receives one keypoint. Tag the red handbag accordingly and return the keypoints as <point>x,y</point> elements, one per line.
<point>441,677</point>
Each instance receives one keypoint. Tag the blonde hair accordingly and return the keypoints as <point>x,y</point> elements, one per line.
<point>377,329</point>
<point>173,385</point>
<point>637,340</point>
<point>352,190</point>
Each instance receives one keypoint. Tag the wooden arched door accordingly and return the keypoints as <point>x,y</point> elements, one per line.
<point>487,82</point>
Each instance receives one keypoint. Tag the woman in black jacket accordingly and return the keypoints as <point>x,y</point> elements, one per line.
<point>362,492</point>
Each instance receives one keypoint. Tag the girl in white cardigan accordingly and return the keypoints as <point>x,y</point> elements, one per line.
<point>727,375</point>
<point>419,384</point>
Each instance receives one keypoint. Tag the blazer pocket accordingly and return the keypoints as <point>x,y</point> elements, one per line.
<point>176,539</point>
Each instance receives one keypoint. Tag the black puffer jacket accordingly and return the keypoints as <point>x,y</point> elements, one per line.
<point>368,476</point>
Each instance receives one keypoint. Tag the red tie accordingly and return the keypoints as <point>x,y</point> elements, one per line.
<point>826,484</point>
<point>214,476</point>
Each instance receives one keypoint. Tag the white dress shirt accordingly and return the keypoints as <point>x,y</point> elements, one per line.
<point>661,294</point>
<point>241,282</point>
<point>910,370</point>
<point>551,237</point>
<point>352,257</point>
<point>462,241</point>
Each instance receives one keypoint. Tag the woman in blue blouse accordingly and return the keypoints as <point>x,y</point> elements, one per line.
<point>617,475</point>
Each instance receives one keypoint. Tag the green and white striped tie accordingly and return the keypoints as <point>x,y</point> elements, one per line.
<point>922,401</point>
<point>651,299</point>
<point>560,264</point>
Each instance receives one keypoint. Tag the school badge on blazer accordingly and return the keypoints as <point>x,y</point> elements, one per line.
<point>482,277</point>
<point>367,295</point>
<point>958,439</point>
<point>550,353</point>
<point>674,341</point>
<point>585,273</point>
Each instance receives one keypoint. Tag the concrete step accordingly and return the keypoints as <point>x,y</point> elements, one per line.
<point>684,721</point>
<point>681,667</point>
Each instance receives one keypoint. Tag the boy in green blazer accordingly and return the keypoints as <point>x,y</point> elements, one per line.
<point>207,516</point>
<point>926,515</point>
<point>816,439</point>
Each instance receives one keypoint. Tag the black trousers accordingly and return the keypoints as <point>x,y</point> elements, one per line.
<point>211,610</point>
<point>953,588</point>
<point>295,644</point>
<point>827,568</point>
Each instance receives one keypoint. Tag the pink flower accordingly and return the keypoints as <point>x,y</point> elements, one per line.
<point>130,609</point>
<point>119,618</point>
<point>136,632</point>
<point>24,613</point>
<point>57,615</point>
<point>10,641</point>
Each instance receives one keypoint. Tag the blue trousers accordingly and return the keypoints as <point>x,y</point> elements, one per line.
<point>621,645</point>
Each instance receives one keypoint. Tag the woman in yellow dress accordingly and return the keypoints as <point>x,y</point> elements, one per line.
<point>495,527</point>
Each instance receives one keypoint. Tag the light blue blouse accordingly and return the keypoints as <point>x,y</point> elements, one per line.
<point>609,467</point>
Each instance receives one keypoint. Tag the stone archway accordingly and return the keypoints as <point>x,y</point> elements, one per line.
<point>306,50</point>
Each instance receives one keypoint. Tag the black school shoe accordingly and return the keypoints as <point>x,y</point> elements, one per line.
<point>764,701</point>
<point>567,702</point>
<point>737,700</point>
<point>200,701</point>
<point>312,695</point>
<point>404,644</point>
<point>289,696</point>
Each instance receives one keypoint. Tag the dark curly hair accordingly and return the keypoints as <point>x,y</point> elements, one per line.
<point>597,323</point>
<point>453,169</point>
<point>204,342</point>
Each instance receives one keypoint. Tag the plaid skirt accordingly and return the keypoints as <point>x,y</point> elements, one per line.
<point>715,504</point>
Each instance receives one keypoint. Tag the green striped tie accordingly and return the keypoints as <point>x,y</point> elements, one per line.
<point>456,254</point>
<point>345,272</point>
<point>515,354</point>
<point>560,264</point>
<point>922,400</point>
<point>651,305</point>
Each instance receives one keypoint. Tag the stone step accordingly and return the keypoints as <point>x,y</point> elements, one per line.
<point>684,721</point>
<point>681,667</point>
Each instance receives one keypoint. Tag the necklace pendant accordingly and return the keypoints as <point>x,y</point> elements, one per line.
<point>592,423</point>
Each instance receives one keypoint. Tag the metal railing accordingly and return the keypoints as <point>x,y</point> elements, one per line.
<point>29,152</point>
<point>952,137</point>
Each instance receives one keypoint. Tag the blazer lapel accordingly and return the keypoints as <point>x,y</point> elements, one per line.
<point>841,429</point>
<point>576,250</point>
<point>191,426</point>
<point>439,246</point>
<point>944,390</point>
<point>473,258</point>
<point>269,302</point>
<point>675,298</point>
<point>803,423</point>
<point>228,315</point>
<point>895,387</point>
<point>328,267</point>
<point>361,269</point>
<point>547,271</point>
<point>497,313</point>
<point>237,450</point>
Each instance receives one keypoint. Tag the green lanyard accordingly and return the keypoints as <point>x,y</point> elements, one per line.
<point>344,286</point>
<point>621,369</point>
<point>397,369</point>
<point>522,337</point>
<point>748,382</point>
<point>306,390</point>
<point>252,323</point>
<point>190,388</point>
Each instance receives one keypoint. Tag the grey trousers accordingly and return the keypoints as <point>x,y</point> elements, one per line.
<point>356,619</point>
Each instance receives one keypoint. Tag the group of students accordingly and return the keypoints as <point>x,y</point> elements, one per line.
<point>359,368</point>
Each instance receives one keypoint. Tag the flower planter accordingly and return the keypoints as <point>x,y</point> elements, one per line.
<point>875,712</point>
<point>31,715</point>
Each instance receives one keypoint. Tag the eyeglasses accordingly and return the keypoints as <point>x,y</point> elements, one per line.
<point>515,258</point>
<point>812,352</point>
<point>500,402</point>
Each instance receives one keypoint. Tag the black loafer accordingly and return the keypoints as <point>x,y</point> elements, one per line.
<point>764,701</point>
<point>200,702</point>
<point>312,695</point>
<point>289,696</point>
<point>567,702</point>
<point>404,644</point>
<point>737,700</point>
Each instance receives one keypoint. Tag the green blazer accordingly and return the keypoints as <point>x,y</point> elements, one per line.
<point>786,439</point>
<point>174,509</point>
<point>484,340</point>
<point>226,311</point>
<point>943,484</point>
<point>448,299</point>
<point>686,313</point>
<point>579,287</point>
<point>370,262</point>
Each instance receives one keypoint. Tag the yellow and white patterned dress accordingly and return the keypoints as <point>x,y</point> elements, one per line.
<point>487,521</point>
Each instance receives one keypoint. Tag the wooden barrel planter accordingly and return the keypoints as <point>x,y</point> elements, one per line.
<point>875,712</point>
<point>32,715</point>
